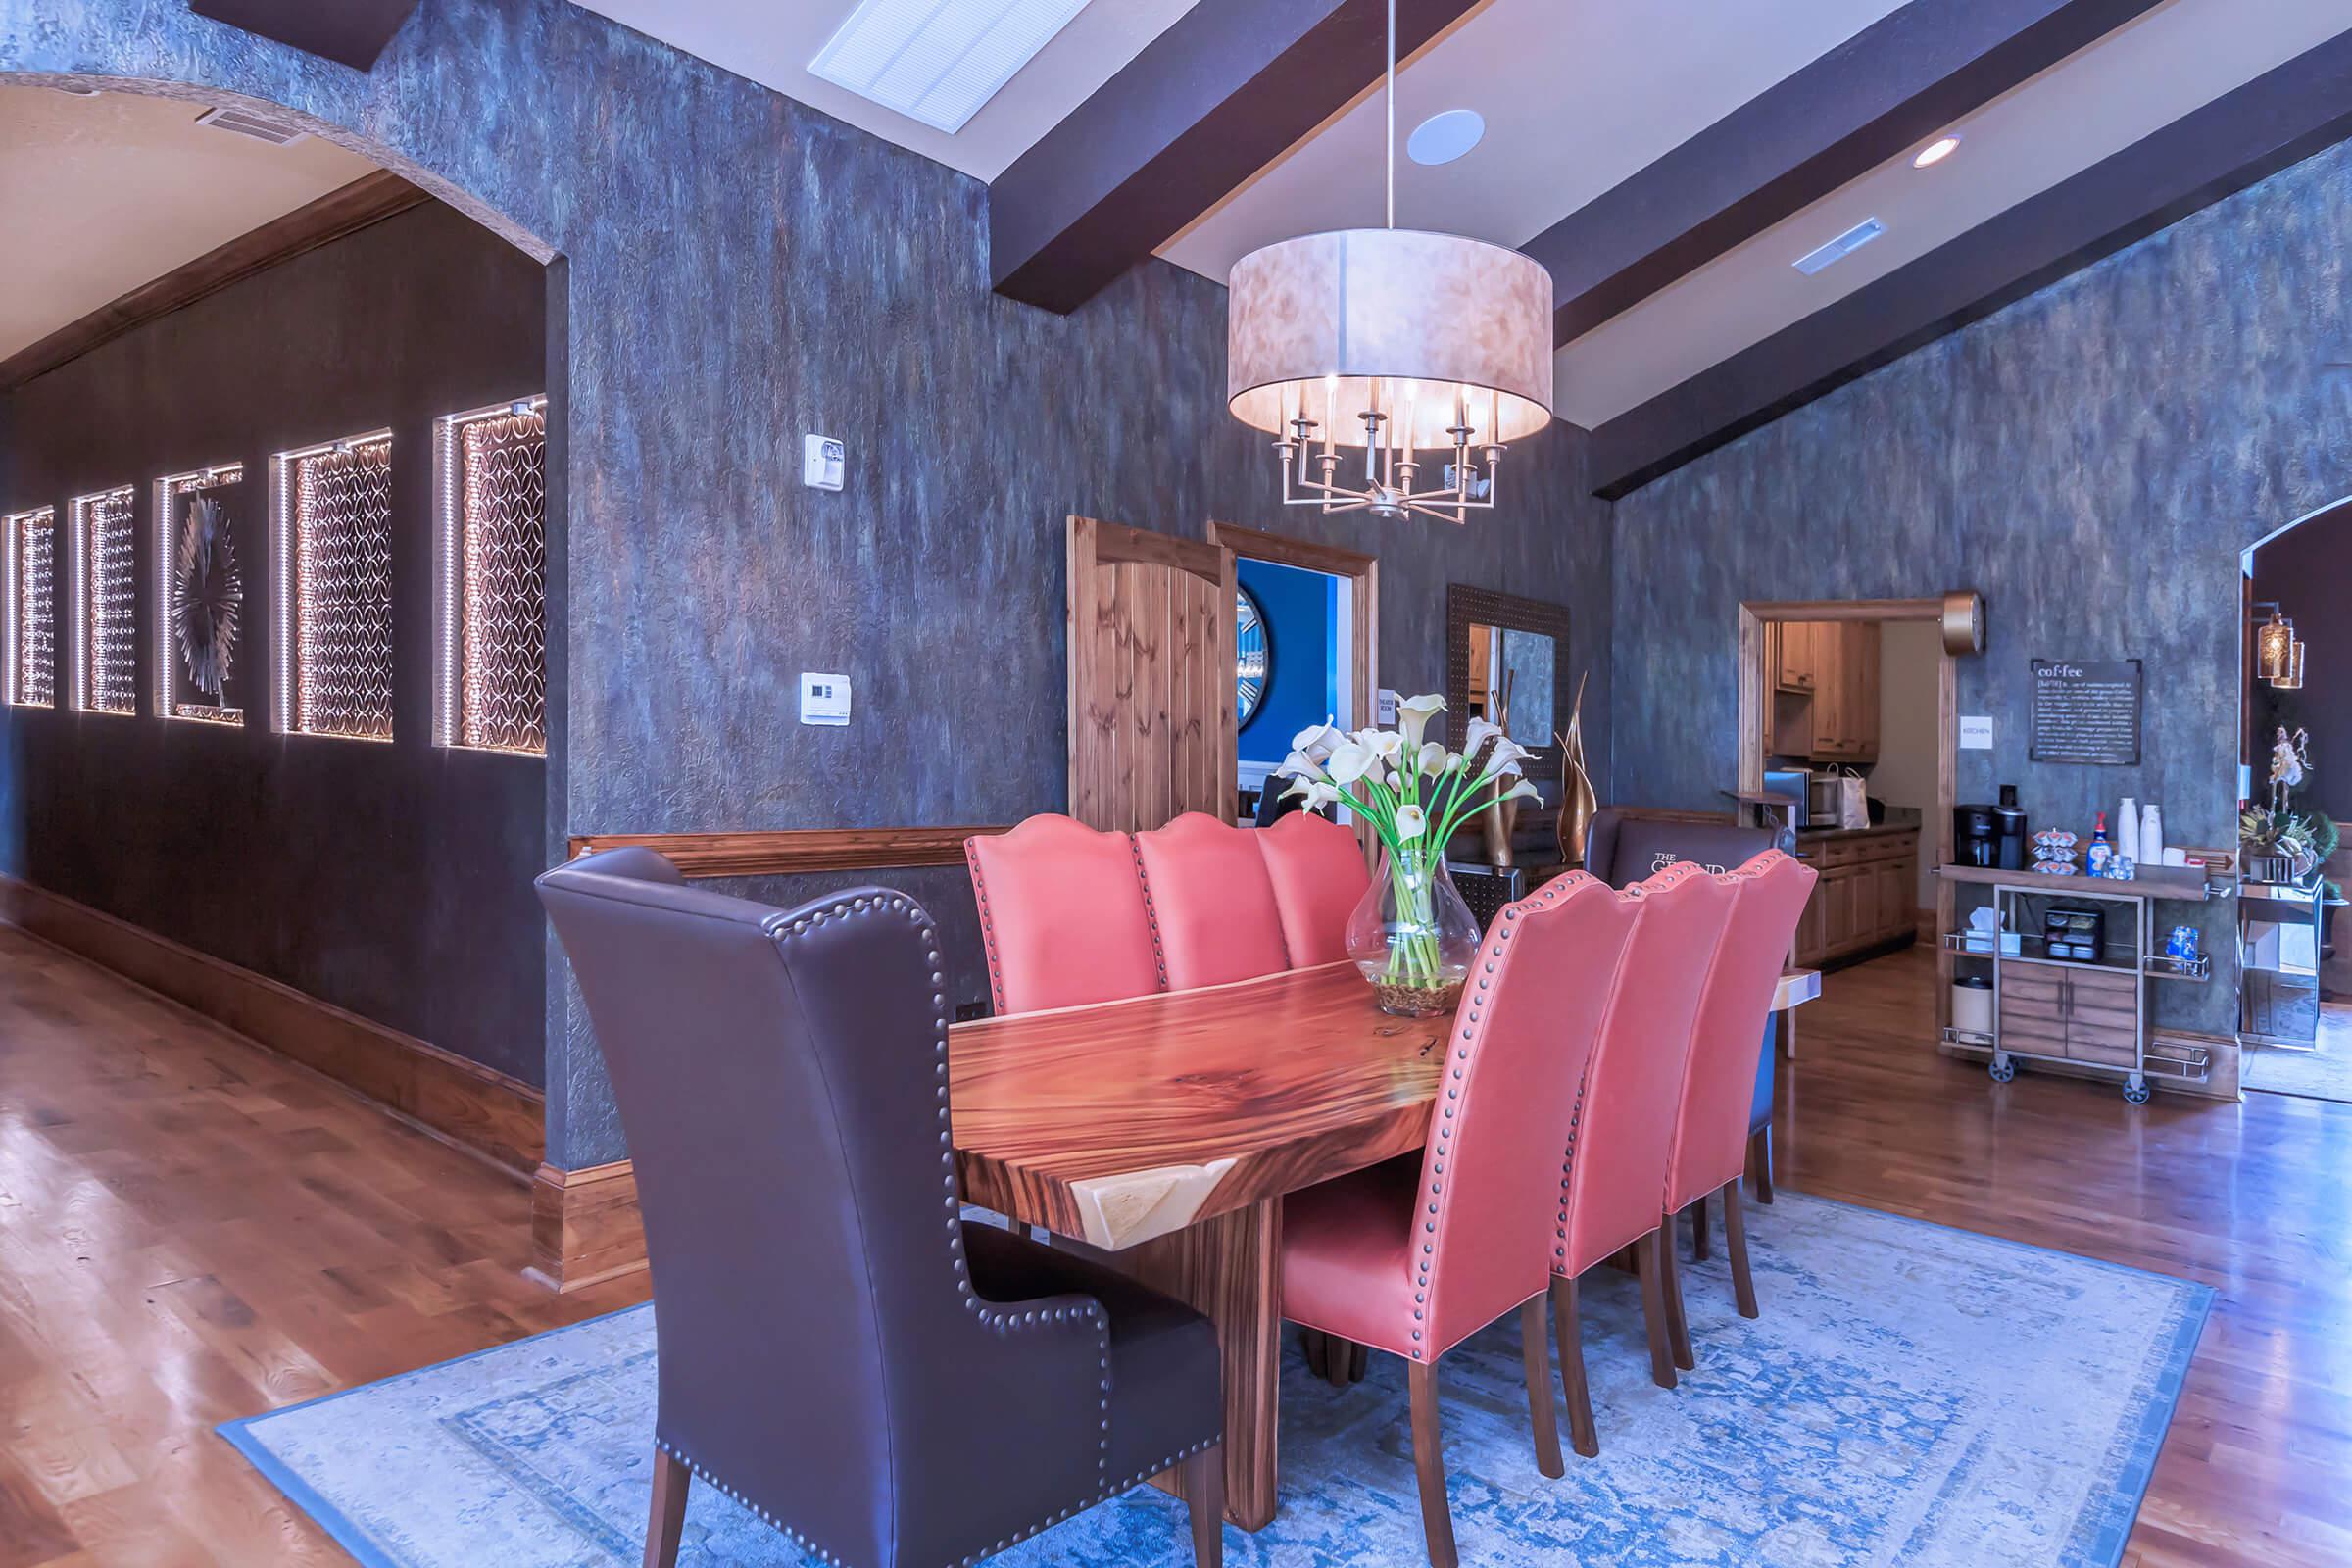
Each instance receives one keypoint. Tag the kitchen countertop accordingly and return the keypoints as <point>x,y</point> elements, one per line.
<point>1817,834</point>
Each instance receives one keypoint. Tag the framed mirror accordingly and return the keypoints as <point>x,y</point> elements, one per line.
<point>1506,660</point>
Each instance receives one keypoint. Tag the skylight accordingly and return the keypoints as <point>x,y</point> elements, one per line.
<point>939,60</point>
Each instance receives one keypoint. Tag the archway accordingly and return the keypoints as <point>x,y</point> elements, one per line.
<point>2297,751</point>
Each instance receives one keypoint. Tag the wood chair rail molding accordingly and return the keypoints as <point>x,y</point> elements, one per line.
<point>790,852</point>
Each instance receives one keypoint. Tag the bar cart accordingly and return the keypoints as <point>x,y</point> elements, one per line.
<point>2070,968</point>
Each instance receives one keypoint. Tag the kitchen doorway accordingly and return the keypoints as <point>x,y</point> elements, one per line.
<point>1838,688</point>
<point>1305,652</point>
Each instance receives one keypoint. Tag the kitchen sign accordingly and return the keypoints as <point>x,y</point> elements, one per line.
<point>2086,711</point>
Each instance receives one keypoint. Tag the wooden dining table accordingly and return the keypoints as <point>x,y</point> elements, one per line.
<point>1162,1132</point>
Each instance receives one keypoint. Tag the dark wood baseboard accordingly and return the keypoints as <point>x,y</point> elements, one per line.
<point>584,1225</point>
<point>463,1102</point>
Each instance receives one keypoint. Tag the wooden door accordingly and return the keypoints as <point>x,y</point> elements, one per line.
<point>1151,676</point>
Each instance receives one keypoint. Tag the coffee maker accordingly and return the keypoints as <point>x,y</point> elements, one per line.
<point>1990,836</point>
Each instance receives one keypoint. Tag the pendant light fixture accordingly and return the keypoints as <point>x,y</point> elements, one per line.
<point>2291,680</point>
<point>1392,366</point>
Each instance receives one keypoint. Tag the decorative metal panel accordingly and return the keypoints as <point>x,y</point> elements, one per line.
<point>200,594</point>
<point>110,604</point>
<point>503,644</point>
<point>32,609</point>
<point>343,592</point>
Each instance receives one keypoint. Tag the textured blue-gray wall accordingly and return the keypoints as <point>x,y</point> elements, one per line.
<point>2091,459</point>
<point>736,269</point>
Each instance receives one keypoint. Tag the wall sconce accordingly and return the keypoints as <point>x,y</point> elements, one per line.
<point>2292,679</point>
<point>2271,643</point>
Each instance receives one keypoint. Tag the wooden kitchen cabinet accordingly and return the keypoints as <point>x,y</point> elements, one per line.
<point>1825,680</point>
<point>1864,899</point>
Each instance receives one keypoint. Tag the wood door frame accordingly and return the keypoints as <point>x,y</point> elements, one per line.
<point>1254,543</point>
<point>1755,686</point>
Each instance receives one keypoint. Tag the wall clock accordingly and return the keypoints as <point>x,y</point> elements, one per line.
<point>209,599</point>
<point>1253,657</point>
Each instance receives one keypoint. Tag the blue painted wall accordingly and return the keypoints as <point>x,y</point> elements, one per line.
<point>734,270</point>
<point>2092,459</point>
<point>1302,612</point>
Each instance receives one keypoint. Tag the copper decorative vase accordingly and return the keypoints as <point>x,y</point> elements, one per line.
<point>1578,802</point>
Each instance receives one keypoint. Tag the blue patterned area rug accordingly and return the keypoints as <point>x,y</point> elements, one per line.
<point>1912,1395</point>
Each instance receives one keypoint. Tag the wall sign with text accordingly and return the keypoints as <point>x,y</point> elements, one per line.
<point>2087,710</point>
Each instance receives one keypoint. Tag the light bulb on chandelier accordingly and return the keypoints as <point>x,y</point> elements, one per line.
<point>1399,344</point>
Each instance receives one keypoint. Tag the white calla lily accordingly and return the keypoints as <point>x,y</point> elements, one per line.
<point>1385,744</point>
<point>1318,741</point>
<point>1319,794</point>
<point>1411,823</point>
<point>1433,758</point>
<point>1350,762</point>
<point>1300,766</point>
<point>1521,791</point>
<point>1415,712</point>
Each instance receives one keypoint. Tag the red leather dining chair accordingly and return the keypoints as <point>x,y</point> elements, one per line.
<point>1211,901</point>
<point>1319,876</point>
<point>1412,1258</point>
<point>1709,1154</point>
<point>1062,917</point>
<point>1622,1130</point>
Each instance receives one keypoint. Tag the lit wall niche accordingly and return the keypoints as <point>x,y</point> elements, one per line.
<point>105,604</point>
<point>490,578</point>
<point>29,637</point>
<point>331,517</point>
<point>200,593</point>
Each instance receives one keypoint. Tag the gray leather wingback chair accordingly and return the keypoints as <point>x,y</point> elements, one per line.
<point>884,1385</point>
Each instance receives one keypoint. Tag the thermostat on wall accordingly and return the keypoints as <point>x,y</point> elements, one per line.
<point>822,461</point>
<point>824,699</point>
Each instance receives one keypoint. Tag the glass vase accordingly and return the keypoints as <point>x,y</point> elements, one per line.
<point>1411,935</point>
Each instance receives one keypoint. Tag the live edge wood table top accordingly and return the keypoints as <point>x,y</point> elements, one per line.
<point>1129,1120</point>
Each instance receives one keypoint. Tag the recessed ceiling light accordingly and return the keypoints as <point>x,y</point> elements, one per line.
<point>938,61</point>
<point>1937,151</point>
<point>1839,249</point>
<point>1441,138</point>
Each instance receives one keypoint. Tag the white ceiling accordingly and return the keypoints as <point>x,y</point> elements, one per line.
<point>104,194</point>
<point>2137,80</point>
<point>1575,97</point>
<point>772,42</point>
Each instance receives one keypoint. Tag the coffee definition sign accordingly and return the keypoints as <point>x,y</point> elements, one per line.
<point>2087,710</point>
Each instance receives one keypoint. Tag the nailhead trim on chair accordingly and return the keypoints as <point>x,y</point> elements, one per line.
<point>1159,954</point>
<point>1003,1321</point>
<point>988,926</point>
<point>1543,899</point>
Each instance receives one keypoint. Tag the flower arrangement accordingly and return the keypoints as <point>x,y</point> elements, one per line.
<point>1412,937</point>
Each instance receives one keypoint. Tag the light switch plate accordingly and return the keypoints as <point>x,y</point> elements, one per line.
<point>824,699</point>
<point>1976,732</point>
<point>823,461</point>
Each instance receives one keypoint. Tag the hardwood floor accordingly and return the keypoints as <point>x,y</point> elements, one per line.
<point>192,1229</point>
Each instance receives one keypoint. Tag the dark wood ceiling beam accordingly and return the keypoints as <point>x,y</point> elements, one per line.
<point>1205,105</point>
<point>370,199</point>
<point>1882,92</point>
<point>2278,118</point>
<point>350,32</point>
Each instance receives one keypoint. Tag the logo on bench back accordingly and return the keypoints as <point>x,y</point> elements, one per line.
<point>1666,858</point>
